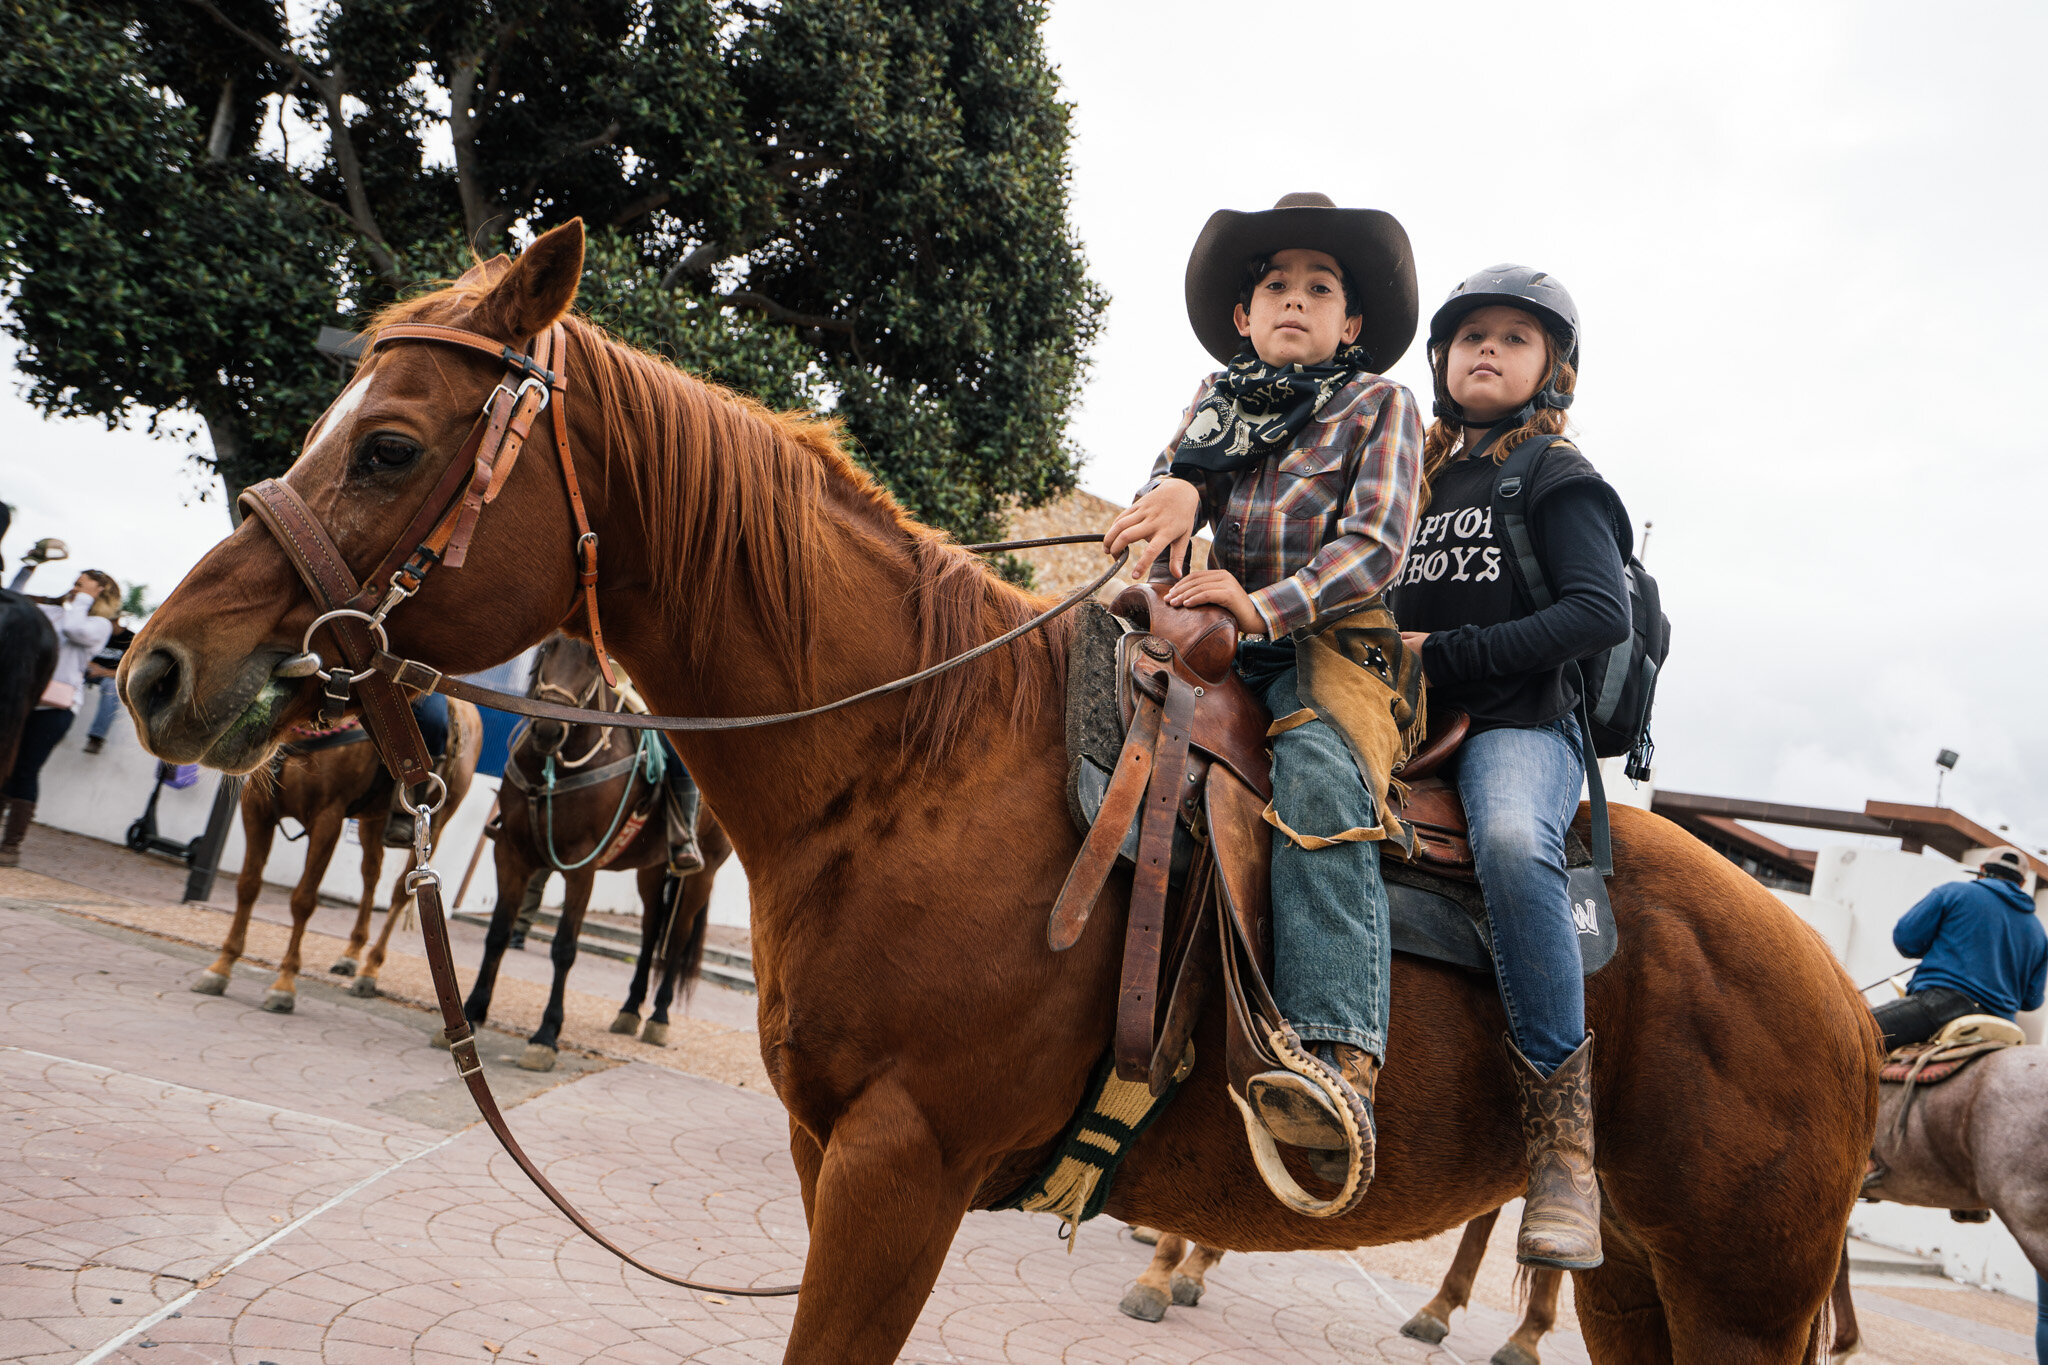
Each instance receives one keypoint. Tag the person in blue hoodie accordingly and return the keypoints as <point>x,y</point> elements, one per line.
<point>1981,948</point>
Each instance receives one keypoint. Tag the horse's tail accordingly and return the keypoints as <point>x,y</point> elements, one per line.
<point>693,946</point>
<point>26,662</point>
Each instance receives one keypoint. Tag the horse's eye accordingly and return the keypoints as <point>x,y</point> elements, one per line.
<point>386,452</point>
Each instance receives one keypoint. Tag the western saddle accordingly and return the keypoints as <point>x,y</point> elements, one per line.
<point>1169,773</point>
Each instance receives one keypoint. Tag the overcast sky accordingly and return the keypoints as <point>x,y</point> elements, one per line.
<point>1806,244</point>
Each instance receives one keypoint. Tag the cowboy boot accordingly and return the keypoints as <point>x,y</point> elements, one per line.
<point>398,824</point>
<point>1561,1218</point>
<point>15,817</point>
<point>680,804</point>
<point>1361,1071</point>
<point>1298,1114</point>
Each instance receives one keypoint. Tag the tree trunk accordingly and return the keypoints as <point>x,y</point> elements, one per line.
<point>222,132</point>
<point>226,434</point>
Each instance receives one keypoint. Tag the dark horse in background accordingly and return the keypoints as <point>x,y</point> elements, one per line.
<point>615,824</point>
<point>28,656</point>
<point>904,855</point>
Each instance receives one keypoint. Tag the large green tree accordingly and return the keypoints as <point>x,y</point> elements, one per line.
<point>852,204</point>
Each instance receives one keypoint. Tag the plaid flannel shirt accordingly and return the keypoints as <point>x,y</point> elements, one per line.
<point>1322,527</point>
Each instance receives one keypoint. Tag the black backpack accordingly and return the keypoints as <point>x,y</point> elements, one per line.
<point>1617,688</point>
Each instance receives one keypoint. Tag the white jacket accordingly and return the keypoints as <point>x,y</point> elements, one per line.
<point>80,635</point>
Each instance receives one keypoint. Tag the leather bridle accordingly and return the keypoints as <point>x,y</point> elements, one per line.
<point>439,535</point>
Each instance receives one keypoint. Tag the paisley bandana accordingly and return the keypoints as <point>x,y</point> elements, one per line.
<point>1257,409</point>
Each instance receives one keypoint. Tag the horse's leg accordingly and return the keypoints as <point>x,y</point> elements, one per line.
<point>653,927</point>
<point>513,872</point>
<point>1539,1315</point>
<point>373,872</point>
<point>1147,1298</point>
<point>685,952</point>
<point>259,827</point>
<point>321,836</point>
<point>1848,1337</point>
<point>1621,1315</point>
<point>366,984</point>
<point>882,1168</point>
<point>1192,1277</point>
<point>541,1047</point>
<point>1432,1321</point>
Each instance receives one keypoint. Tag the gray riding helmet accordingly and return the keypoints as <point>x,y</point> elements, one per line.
<point>1517,286</point>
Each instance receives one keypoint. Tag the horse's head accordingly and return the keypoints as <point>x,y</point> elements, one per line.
<point>202,677</point>
<point>565,671</point>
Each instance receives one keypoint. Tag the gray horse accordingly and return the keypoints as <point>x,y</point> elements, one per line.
<point>1971,1144</point>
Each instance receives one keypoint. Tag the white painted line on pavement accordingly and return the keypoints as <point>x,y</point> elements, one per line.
<point>215,1096</point>
<point>1395,1303</point>
<point>212,1277</point>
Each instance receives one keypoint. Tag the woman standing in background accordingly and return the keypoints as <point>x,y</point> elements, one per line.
<point>84,618</point>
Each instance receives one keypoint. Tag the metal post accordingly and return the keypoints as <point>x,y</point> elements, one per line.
<point>204,857</point>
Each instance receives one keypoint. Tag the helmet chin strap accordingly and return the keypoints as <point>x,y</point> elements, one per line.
<point>1447,408</point>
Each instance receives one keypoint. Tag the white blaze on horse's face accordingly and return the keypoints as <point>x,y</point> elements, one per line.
<point>337,416</point>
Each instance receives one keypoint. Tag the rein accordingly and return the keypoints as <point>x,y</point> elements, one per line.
<point>440,533</point>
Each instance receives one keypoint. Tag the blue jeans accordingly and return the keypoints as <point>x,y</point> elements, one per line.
<point>1521,790</point>
<point>110,706</point>
<point>1332,954</point>
<point>2041,1319</point>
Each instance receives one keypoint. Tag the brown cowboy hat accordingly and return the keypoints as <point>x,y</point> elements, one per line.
<point>1371,246</point>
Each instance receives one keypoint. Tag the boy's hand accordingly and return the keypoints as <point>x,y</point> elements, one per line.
<point>1164,519</point>
<point>1413,640</point>
<point>1218,587</point>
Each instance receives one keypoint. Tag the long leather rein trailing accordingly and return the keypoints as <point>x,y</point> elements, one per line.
<point>439,534</point>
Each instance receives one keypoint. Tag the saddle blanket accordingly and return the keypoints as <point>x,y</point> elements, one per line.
<point>1947,1061</point>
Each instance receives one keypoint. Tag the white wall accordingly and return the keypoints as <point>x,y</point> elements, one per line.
<point>102,794</point>
<point>1859,893</point>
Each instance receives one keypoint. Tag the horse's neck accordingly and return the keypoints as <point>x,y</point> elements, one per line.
<point>770,786</point>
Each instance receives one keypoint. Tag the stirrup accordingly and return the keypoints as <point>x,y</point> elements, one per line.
<point>1296,1112</point>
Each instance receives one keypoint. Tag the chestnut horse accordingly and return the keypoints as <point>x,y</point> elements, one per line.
<point>322,789</point>
<point>903,856</point>
<point>580,832</point>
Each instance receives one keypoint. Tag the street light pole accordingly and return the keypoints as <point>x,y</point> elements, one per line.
<point>204,855</point>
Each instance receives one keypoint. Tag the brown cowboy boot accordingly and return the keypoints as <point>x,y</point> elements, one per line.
<point>1361,1071</point>
<point>15,817</point>
<point>1561,1219</point>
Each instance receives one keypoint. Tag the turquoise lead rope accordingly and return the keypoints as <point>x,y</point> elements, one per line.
<point>651,762</point>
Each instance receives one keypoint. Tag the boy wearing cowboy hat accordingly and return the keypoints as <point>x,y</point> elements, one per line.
<point>1306,461</point>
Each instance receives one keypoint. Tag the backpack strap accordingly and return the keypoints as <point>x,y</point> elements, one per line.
<point>1511,492</point>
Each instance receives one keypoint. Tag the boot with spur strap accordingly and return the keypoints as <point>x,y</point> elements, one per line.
<point>1561,1218</point>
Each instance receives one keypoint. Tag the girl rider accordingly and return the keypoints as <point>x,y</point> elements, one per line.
<point>1306,462</point>
<point>1503,349</point>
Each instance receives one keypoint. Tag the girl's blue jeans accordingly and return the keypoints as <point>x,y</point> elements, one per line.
<point>1521,789</point>
<point>1331,951</point>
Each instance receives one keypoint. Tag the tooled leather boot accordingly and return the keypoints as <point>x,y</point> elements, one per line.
<point>15,818</point>
<point>1561,1218</point>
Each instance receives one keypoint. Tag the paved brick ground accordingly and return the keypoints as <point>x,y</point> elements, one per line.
<point>311,1188</point>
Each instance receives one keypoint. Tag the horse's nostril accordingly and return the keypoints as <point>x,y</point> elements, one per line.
<point>152,682</point>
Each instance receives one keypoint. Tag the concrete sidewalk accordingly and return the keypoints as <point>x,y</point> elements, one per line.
<point>313,1187</point>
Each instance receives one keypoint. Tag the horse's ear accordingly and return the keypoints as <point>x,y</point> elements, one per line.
<point>539,287</point>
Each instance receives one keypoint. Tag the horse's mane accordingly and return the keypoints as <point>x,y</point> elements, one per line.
<point>742,500</point>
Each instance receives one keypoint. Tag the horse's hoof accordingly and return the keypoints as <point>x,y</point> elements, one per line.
<point>211,983</point>
<point>344,967</point>
<point>1426,1326</point>
<point>363,986</point>
<point>1149,1236</point>
<point>1515,1353</point>
<point>1186,1292</point>
<point>280,1002</point>
<point>537,1057</point>
<point>627,1023</point>
<point>654,1033</point>
<point>1144,1303</point>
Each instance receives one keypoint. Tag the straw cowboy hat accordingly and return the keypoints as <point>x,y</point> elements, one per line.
<point>1371,246</point>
